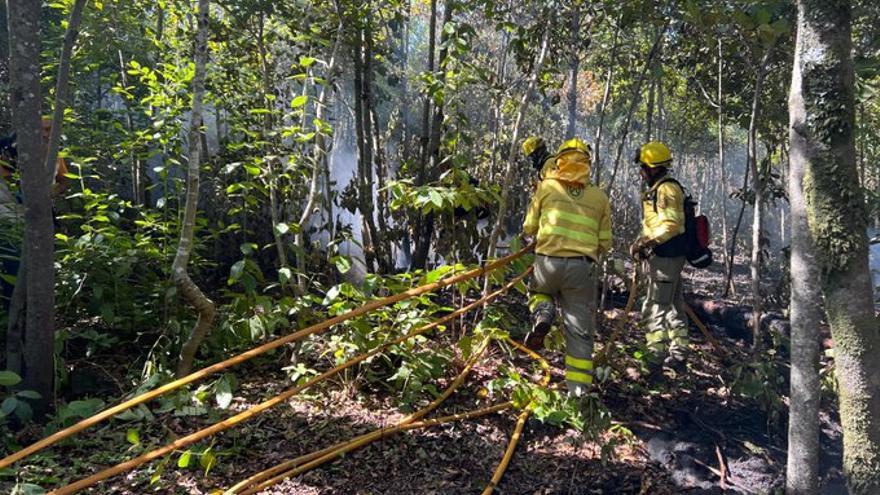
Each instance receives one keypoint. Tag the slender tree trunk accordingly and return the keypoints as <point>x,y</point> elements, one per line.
<point>320,159</point>
<point>371,124</point>
<point>268,124</point>
<point>61,89</point>
<point>606,96</point>
<point>729,286</point>
<point>635,98</point>
<point>802,473</point>
<point>422,241</point>
<point>724,194</point>
<point>822,107</point>
<point>758,181</point>
<point>185,285</point>
<point>511,156</point>
<point>497,122</point>
<point>649,111</point>
<point>436,165</point>
<point>573,62</point>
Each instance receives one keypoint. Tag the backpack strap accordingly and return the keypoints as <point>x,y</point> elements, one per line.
<point>664,181</point>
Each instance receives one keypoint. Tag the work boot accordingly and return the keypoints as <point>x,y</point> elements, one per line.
<point>540,329</point>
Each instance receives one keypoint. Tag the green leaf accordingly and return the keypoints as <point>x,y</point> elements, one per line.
<point>208,460</point>
<point>28,394</point>
<point>436,199</point>
<point>133,437</point>
<point>331,296</point>
<point>9,379</point>
<point>284,275</point>
<point>307,61</point>
<point>29,489</point>
<point>236,271</point>
<point>282,228</point>
<point>183,460</point>
<point>299,101</point>
<point>8,406</point>
<point>223,393</point>
<point>343,264</point>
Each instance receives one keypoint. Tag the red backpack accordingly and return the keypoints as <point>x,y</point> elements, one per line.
<point>696,237</point>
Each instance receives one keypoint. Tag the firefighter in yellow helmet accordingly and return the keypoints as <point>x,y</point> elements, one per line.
<point>662,246</point>
<point>571,219</point>
<point>535,149</point>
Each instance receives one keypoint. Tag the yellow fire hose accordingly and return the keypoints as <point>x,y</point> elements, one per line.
<point>288,465</point>
<point>318,458</point>
<point>263,406</point>
<point>360,442</point>
<point>520,421</point>
<point>235,360</point>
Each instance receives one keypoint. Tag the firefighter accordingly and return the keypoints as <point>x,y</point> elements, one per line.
<point>571,220</point>
<point>662,246</point>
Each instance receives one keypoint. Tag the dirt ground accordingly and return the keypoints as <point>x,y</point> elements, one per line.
<point>676,435</point>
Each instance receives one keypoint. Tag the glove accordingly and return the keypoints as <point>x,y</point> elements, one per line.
<point>641,249</point>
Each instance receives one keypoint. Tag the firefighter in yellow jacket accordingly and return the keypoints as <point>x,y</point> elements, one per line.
<point>572,222</point>
<point>662,245</point>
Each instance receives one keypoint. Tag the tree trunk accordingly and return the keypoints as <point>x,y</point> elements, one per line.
<point>802,473</point>
<point>573,62</point>
<point>185,285</point>
<point>36,162</point>
<point>268,124</point>
<point>822,107</point>
<point>363,130</point>
<point>635,98</point>
<point>374,142</point>
<point>319,159</point>
<point>25,97</point>
<point>422,241</point>
<point>758,181</point>
<point>606,95</point>
<point>721,167</point>
<point>511,156</point>
<point>649,111</point>
<point>729,286</point>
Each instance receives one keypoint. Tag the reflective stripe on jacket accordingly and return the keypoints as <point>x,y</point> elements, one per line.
<point>663,217</point>
<point>569,220</point>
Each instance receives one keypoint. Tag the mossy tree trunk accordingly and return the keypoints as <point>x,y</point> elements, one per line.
<point>822,127</point>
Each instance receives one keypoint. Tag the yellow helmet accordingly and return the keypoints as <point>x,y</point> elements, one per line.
<point>574,144</point>
<point>655,154</point>
<point>531,144</point>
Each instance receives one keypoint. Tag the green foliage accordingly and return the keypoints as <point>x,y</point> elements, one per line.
<point>15,403</point>
<point>115,267</point>
<point>762,380</point>
<point>454,190</point>
<point>585,414</point>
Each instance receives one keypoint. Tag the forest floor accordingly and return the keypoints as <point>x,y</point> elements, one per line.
<point>675,436</point>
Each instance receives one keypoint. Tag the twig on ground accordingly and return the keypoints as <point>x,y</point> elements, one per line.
<point>723,467</point>
<point>733,485</point>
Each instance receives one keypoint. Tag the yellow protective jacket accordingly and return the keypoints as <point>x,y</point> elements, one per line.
<point>549,165</point>
<point>663,211</point>
<point>569,219</point>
